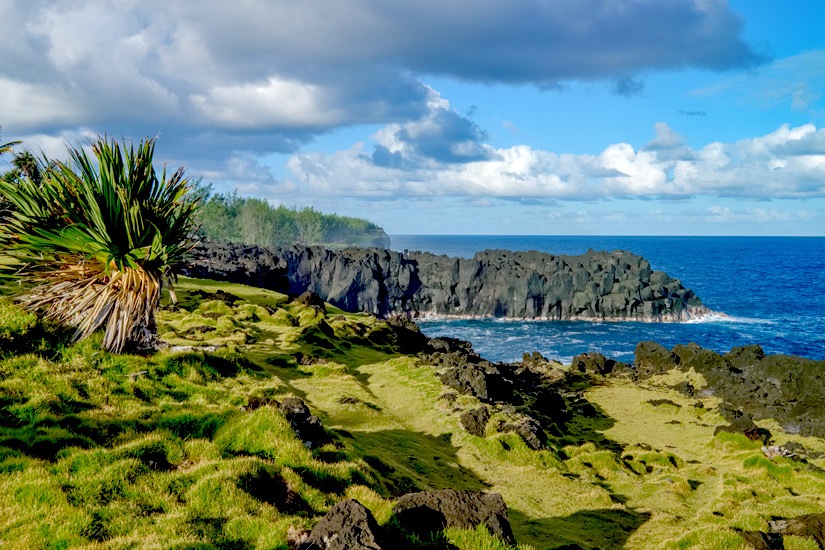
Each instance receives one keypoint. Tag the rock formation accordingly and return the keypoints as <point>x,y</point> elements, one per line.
<point>614,285</point>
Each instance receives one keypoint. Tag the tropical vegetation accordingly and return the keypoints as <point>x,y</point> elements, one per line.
<point>96,237</point>
<point>232,218</point>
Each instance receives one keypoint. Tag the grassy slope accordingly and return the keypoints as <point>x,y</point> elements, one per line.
<point>105,451</point>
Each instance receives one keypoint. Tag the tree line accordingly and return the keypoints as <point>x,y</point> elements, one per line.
<point>232,218</point>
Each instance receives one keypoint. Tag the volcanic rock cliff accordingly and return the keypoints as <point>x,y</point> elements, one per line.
<point>614,285</point>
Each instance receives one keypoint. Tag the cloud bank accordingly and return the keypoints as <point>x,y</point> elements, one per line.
<point>264,76</point>
<point>787,163</point>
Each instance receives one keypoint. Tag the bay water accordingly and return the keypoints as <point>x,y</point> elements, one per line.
<point>771,289</point>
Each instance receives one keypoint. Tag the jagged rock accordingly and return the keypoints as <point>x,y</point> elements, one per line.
<point>307,427</point>
<point>475,421</point>
<point>787,388</point>
<point>500,283</point>
<point>482,380</point>
<point>652,358</point>
<point>349,525</point>
<point>408,337</point>
<point>430,511</point>
<point>530,431</point>
<point>762,541</point>
<point>810,526</point>
<point>596,363</point>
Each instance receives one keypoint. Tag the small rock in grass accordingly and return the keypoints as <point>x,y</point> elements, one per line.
<point>349,525</point>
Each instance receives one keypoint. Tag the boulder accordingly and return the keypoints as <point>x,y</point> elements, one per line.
<point>596,363</point>
<point>430,511</point>
<point>652,358</point>
<point>811,526</point>
<point>475,420</point>
<point>349,525</point>
<point>762,541</point>
<point>308,427</point>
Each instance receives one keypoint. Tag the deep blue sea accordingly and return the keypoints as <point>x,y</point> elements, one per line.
<point>773,289</point>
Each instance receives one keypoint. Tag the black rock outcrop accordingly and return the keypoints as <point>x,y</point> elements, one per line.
<point>430,511</point>
<point>597,285</point>
<point>788,388</point>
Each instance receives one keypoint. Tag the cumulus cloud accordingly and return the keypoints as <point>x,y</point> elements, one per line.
<point>786,163</point>
<point>269,75</point>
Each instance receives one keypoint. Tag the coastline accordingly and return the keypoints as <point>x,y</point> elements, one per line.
<point>690,314</point>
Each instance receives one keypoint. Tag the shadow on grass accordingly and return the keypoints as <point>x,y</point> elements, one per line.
<point>588,423</point>
<point>604,528</point>
<point>412,461</point>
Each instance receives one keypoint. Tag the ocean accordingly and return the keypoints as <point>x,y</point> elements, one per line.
<point>771,288</point>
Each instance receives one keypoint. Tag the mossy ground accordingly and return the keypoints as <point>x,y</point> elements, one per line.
<point>103,451</point>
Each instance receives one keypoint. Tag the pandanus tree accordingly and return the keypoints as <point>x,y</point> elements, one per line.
<point>97,237</point>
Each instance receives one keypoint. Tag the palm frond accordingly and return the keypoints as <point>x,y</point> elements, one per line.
<point>98,235</point>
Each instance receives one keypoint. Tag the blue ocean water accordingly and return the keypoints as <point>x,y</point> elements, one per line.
<point>773,289</point>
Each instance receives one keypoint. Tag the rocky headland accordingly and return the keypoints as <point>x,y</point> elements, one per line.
<point>610,286</point>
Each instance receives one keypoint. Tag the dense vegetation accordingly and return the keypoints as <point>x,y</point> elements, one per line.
<point>188,449</point>
<point>232,218</point>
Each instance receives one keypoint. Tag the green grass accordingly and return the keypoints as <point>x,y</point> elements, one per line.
<point>122,451</point>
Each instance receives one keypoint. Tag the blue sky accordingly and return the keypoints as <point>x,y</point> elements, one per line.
<point>633,117</point>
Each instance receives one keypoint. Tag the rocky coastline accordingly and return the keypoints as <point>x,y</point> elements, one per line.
<point>608,286</point>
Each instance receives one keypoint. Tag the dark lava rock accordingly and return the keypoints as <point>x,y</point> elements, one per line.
<point>220,295</point>
<point>500,283</point>
<point>800,450</point>
<point>762,541</point>
<point>307,427</point>
<point>652,358</point>
<point>408,337</point>
<point>482,380</point>
<point>530,431</point>
<point>431,511</point>
<point>787,388</point>
<point>257,401</point>
<point>475,421</point>
<point>311,299</point>
<point>810,526</point>
<point>596,363</point>
<point>348,400</point>
<point>741,422</point>
<point>349,525</point>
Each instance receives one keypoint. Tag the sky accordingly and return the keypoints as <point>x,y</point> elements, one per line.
<point>532,117</point>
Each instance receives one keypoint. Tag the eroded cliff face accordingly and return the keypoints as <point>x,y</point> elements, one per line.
<point>614,285</point>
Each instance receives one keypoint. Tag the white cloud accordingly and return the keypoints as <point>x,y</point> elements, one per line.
<point>280,71</point>
<point>276,102</point>
<point>786,163</point>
